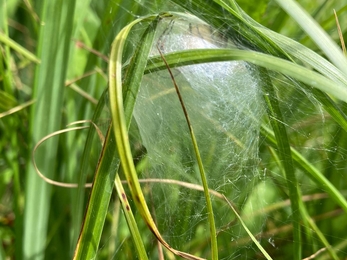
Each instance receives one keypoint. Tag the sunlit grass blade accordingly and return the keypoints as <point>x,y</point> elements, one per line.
<point>319,36</point>
<point>53,51</point>
<point>306,56</point>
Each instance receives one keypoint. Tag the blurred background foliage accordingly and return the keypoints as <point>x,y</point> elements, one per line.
<point>53,70</point>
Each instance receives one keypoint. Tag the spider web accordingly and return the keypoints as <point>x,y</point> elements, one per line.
<point>225,104</point>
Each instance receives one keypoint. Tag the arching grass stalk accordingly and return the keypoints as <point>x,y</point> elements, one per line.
<point>269,62</point>
<point>108,165</point>
<point>214,246</point>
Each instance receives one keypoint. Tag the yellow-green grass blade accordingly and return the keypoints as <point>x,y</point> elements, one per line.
<point>48,90</point>
<point>15,46</point>
<point>100,196</point>
<point>118,116</point>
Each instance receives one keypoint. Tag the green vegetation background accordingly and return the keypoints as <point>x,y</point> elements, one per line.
<point>50,71</point>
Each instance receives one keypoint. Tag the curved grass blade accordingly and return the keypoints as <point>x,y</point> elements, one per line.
<point>120,115</point>
<point>306,56</point>
<point>104,180</point>
<point>269,62</point>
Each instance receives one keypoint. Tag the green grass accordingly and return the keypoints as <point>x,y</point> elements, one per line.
<point>261,176</point>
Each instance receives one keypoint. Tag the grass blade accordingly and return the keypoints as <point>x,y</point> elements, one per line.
<point>319,36</point>
<point>88,242</point>
<point>136,236</point>
<point>120,114</point>
<point>214,245</point>
<point>276,120</point>
<point>53,51</point>
<point>15,46</point>
<point>101,193</point>
<point>285,67</point>
<point>310,169</point>
<point>267,256</point>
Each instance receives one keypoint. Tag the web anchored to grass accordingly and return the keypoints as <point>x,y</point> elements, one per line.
<point>225,104</point>
<point>243,178</point>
